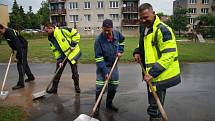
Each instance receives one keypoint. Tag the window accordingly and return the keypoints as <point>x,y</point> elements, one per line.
<point>205,1</point>
<point>87,17</point>
<point>86,5</point>
<point>192,10</point>
<point>100,4</point>
<point>191,20</point>
<point>204,10</point>
<point>192,1</point>
<point>73,5</point>
<point>73,18</point>
<point>100,17</point>
<point>114,4</point>
<point>114,16</point>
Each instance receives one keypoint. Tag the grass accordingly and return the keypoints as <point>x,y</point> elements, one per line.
<point>12,113</point>
<point>39,51</point>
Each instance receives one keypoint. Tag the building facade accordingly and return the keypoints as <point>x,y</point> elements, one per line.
<point>87,15</point>
<point>4,16</point>
<point>195,7</point>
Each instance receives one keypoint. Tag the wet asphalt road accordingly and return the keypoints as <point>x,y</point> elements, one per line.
<point>192,100</point>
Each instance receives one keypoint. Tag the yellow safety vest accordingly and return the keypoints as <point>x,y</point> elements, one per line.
<point>65,39</point>
<point>161,53</point>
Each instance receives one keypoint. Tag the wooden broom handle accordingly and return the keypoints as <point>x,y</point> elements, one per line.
<point>164,115</point>
<point>105,85</point>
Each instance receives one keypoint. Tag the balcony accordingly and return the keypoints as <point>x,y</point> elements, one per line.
<point>213,5</point>
<point>130,22</point>
<point>58,12</point>
<point>56,23</point>
<point>56,1</point>
<point>130,9</point>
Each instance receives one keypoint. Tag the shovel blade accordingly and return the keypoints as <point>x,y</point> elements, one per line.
<point>3,95</point>
<point>84,117</point>
<point>38,95</point>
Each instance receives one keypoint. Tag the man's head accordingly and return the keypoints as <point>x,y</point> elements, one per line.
<point>107,27</point>
<point>146,14</point>
<point>49,28</point>
<point>2,29</point>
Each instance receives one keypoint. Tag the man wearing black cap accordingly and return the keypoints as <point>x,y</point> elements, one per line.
<point>108,45</point>
<point>20,45</point>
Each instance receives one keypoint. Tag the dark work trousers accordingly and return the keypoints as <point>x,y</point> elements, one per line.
<point>153,109</point>
<point>22,66</point>
<point>74,68</point>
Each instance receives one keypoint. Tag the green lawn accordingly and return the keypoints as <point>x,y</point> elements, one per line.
<point>12,113</point>
<point>39,51</point>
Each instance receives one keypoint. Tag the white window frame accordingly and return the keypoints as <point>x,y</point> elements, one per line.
<point>204,10</point>
<point>192,1</point>
<point>205,2</point>
<point>114,17</point>
<point>114,4</point>
<point>100,15</point>
<point>73,5</point>
<point>192,10</point>
<point>87,17</point>
<point>74,18</point>
<point>191,20</point>
<point>100,4</point>
<point>87,5</point>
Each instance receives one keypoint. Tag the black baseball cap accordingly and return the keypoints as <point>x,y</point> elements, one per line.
<point>107,23</point>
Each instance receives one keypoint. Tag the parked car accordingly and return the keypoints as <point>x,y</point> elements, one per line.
<point>29,31</point>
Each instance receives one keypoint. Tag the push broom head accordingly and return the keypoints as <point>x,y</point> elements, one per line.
<point>38,95</point>
<point>84,117</point>
<point>3,95</point>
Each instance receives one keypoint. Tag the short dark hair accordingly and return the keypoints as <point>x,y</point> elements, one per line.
<point>48,24</point>
<point>145,6</point>
<point>1,26</point>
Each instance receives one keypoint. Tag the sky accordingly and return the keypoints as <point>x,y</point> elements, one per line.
<point>164,6</point>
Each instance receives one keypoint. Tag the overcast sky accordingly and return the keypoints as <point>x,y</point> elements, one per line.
<point>164,6</point>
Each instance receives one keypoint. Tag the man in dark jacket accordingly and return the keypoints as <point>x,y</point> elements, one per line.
<point>20,45</point>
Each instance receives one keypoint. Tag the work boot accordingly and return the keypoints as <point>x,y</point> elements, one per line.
<point>76,84</point>
<point>155,119</point>
<point>18,87</point>
<point>30,79</point>
<point>54,87</point>
<point>109,101</point>
<point>97,109</point>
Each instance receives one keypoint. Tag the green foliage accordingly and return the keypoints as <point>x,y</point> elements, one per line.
<point>12,113</point>
<point>207,20</point>
<point>160,14</point>
<point>179,19</point>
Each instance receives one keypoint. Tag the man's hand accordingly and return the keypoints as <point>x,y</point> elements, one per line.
<point>137,58</point>
<point>60,65</point>
<point>106,77</point>
<point>119,54</point>
<point>147,77</point>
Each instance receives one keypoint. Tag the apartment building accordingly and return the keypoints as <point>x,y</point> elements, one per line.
<point>195,7</point>
<point>87,15</point>
<point>4,18</point>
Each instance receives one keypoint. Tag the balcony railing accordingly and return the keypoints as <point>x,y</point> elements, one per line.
<point>130,9</point>
<point>213,5</point>
<point>58,11</point>
<point>59,23</point>
<point>130,22</point>
<point>56,1</point>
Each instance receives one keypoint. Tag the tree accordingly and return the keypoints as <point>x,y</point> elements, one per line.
<point>208,19</point>
<point>179,19</point>
<point>43,13</point>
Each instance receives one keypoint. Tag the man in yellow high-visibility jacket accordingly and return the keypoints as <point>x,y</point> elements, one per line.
<point>157,51</point>
<point>62,41</point>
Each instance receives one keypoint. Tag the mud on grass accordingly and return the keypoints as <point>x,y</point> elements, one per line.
<point>12,113</point>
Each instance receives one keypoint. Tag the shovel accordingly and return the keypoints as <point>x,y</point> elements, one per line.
<point>84,117</point>
<point>163,113</point>
<point>44,92</point>
<point>4,94</point>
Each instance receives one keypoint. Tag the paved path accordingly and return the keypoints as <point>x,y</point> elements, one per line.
<point>192,100</point>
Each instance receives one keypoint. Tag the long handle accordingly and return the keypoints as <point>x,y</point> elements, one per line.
<point>5,76</point>
<point>58,69</point>
<point>105,85</point>
<point>164,115</point>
